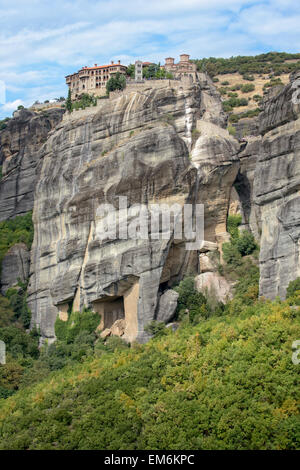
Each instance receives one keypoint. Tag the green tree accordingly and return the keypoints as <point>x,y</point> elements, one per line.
<point>69,101</point>
<point>116,82</point>
<point>130,70</point>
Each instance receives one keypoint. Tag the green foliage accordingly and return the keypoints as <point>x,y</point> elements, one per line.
<point>273,82</point>
<point>246,243</point>
<point>130,70</point>
<point>3,123</point>
<point>232,130</point>
<point>17,230</point>
<point>19,343</point>
<point>241,244</point>
<point>116,82</point>
<point>248,114</point>
<point>156,328</point>
<point>258,98</point>
<point>18,303</point>
<point>191,304</point>
<point>231,254</point>
<point>150,71</point>
<point>293,287</point>
<point>233,223</point>
<point>86,321</point>
<point>226,383</point>
<point>234,102</point>
<point>248,77</point>
<point>69,106</point>
<point>85,101</point>
<point>7,315</point>
<point>248,88</point>
<point>272,62</point>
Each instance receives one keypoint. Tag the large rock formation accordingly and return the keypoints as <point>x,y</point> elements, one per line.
<point>15,266</point>
<point>156,146</point>
<point>163,145</point>
<point>19,145</point>
<point>276,191</point>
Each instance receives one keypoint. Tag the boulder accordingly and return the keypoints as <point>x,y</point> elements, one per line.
<point>167,306</point>
<point>105,333</point>
<point>118,328</point>
<point>214,285</point>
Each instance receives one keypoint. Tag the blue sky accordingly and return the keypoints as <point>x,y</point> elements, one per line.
<point>41,41</point>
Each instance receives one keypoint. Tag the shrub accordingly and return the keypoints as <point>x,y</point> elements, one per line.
<point>246,243</point>
<point>17,230</point>
<point>232,225</point>
<point>231,254</point>
<point>232,130</point>
<point>86,321</point>
<point>293,287</point>
<point>247,88</point>
<point>156,328</point>
<point>190,302</point>
<point>18,303</point>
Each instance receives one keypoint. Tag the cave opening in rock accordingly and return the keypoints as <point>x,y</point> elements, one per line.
<point>110,309</point>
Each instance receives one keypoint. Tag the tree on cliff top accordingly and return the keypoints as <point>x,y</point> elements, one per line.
<point>69,102</point>
<point>116,82</point>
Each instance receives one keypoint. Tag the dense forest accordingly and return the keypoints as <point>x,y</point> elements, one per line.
<point>223,380</point>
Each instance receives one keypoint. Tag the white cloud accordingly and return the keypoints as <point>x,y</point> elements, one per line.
<point>11,106</point>
<point>48,40</point>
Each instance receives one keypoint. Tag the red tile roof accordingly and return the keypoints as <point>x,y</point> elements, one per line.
<point>102,66</point>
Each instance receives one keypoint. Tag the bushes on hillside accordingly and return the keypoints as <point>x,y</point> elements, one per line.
<point>241,244</point>
<point>18,303</point>
<point>247,88</point>
<point>191,304</point>
<point>226,383</point>
<point>272,62</point>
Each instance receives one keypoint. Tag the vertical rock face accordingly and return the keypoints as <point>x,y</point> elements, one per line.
<point>15,266</point>
<point>276,192</point>
<point>19,146</point>
<point>158,146</point>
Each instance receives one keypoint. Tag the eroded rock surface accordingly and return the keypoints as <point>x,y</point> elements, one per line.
<point>142,146</point>
<point>276,192</point>
<point>15,266</point>
<point>19,146</point>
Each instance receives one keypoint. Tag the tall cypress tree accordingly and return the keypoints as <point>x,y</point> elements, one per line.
<point>69,102</point>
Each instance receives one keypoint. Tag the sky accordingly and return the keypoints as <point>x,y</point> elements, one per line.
<point>42,41</point>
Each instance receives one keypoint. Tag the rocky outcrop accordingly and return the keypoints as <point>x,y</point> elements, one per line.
<point>246,127</point>
<point>157,146</point>
<point>15,266</point>
<point>214,286</point>
<point>20,142</point>
<point>276,192</point>
<point>241,198</point>
<point>166,306</point>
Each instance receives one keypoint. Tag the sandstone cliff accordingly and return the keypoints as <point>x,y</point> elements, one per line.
<point>156,146</point>
<point>19,146</point>
<point>167,144</point>
<point>276,192</point>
